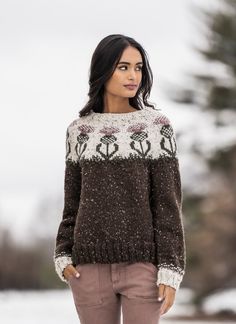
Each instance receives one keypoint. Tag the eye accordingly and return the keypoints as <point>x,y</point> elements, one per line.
<point>140,67</point>
<point>124,66</point>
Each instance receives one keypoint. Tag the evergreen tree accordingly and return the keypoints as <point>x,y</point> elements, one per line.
<point>211,218</point>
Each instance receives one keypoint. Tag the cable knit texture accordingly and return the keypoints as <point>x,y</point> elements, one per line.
<point>122,194</point>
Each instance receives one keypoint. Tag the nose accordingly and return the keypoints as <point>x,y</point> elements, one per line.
<point>132,75</point>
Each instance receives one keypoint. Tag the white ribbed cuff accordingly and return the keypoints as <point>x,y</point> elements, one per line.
<point>169,277</point>
<point>60,264</point>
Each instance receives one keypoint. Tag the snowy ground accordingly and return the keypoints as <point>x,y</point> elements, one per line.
<point>56,306</point>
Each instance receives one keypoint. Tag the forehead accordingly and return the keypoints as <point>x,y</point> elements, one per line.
<point>131,54</point>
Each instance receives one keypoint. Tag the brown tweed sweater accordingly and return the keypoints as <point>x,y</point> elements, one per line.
<point>122,194</point>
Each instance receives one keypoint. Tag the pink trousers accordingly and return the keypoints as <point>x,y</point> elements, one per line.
<point>103,289</point>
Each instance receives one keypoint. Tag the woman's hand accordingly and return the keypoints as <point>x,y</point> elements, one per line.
<point>168,293</point>
<point>70,270</point>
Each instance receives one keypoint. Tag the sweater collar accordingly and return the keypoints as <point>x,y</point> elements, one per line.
<point>129,114</point>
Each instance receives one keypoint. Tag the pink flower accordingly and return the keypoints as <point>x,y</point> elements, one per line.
<point>85,129</point>
<point>109,130</point>
<point>137,128</point>
<point>161,120</point>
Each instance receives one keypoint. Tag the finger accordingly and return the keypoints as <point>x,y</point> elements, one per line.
<point>164,309</point>
<point>70,270</point>
<point>168,302</point>
<point>161,292</point>
<point>74,271</point>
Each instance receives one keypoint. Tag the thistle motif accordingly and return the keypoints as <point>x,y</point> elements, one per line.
<point>108,140</point>
<point>168,135</point>
<point>161,120</point>
<point>82,138</point>
<point>139,135</point>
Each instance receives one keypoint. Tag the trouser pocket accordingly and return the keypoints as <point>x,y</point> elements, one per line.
<point>141,280</point>
<point>86,288</point>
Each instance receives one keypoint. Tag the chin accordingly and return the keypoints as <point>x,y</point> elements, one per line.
<point>130,95</point>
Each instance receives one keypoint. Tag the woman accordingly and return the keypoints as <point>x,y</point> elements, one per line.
<point>120,242</point>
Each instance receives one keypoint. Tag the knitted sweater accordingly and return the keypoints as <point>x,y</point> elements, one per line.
<point>122,194</point>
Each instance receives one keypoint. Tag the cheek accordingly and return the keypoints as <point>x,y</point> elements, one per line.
<point>140,77</point>
<point>117,77</point>
<point>115,81</point>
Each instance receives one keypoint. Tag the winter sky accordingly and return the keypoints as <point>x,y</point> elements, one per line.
<point>45,49</point>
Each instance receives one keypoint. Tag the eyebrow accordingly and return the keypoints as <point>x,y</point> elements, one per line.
<point>129,63</point>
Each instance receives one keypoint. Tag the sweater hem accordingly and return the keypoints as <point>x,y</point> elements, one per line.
<point>114,252</point>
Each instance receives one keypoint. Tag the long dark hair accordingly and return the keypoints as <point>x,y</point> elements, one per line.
<point>103,63</point>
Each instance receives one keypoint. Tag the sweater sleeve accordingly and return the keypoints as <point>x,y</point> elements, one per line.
<point>166,206</point>
<point>72,189</point>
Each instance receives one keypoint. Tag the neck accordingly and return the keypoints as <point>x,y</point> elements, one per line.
<point>114,104</point>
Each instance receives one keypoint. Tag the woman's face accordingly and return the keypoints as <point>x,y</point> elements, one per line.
<point>127,71</point>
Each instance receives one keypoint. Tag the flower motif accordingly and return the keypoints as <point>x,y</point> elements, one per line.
<point>167,131</point>
<point>108,139</point>
<point>161,120</point>
<point>109,130</point>
<point>85,129</point>
<point>139,139</point>
<point>137,128</point>
<point>83,136</point>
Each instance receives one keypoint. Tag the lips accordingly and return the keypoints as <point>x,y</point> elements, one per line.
<point>131,86</point>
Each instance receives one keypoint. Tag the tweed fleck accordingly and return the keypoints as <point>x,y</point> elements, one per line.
<point>122,194</point>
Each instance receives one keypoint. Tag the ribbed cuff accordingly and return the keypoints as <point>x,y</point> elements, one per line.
<point>60,264</point>
<point>169,277</point>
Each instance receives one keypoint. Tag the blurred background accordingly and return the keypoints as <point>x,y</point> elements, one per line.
<point>45,51</point>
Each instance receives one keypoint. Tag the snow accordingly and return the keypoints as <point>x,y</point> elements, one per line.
<point>223,301</point>
<point>27,307</point>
